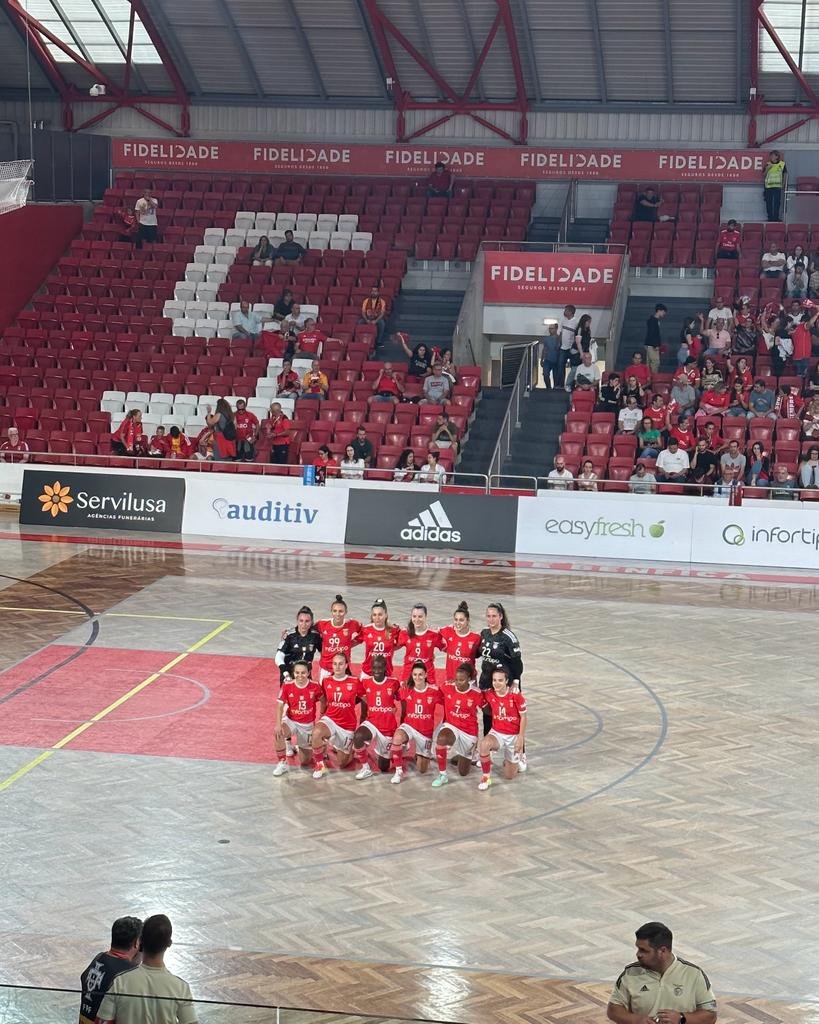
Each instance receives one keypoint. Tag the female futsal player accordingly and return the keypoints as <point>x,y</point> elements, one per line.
<point>460,643</point>
<point>419,701</point>
<point>299,644</point>
<point>338,635</point>
<point>378,728</point>
<point>336,726</point>
<point>296,715</point>
<point>379,637</point>
<point>500,648</point>
<point>459,730</point>
<point>420,643</point>
<point>508,728</point>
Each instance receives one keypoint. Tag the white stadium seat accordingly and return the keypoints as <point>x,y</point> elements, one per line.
<point>214,236</point>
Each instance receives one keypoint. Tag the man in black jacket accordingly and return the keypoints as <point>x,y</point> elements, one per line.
<point>98,976</point>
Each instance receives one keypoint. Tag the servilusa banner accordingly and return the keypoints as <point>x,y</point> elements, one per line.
<point>550,278</point>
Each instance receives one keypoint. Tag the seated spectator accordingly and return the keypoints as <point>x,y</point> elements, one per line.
<point>129,228</point>
<point>439,183</point>
<point>809,470</point>
<point>737,400</point>
<point>386,386</point>
<point>437,388</point>
<point>649,439</point>
<point>374,311</point>
<point>204,445</point>
<point>638,369</point>
<point>289,251</point>
<point>734,458</point>
<point>263,253</point>
<point>711,374</point>
<point>324,464</point>
<point>448,366</point>
<point>610,395</point>
<point>445,433</point>
<point>145,210</point>
<point>284,305</point>
<point>587,371</point>
<point>740,372</point>
<point>276,430</point>
<point>801,338</point>
<point>657,411</point>
<point>351,467</point>
<point>758,473</point>
<point>719,312</point>
<point>550,356</point>
<point>704,464</point>
<point>773,262</point>
<point>178,444</point>
<point>713,402</point>
<point>587,478</point>
<point>127,438</point>
<point>310,340</point>
<point>718,339</point>
<point>419,357</point>
<point>684,433</point>
<point>788,404</point>
<point>783,485</point>
<point>315,384</point>
<point>683,398</point>
<point>712,437</point>
<point>798,258</point>
<point>560,478</point>
<point>405,469</point>
<point>288,384</point>
<point>796,284</point>
<point>727,483</point>
<point>247,431</point>
<point>295,319</point>
<point>629,418</point>
<point>247,325</point>
<point>810,418</point>
<point>14,449</point>
<point>692,372</point>
<point>647,205</point>
<point>641,481</point>
<point>362,446</point>
<point>633,389</point>
<point>745,330</point>
<point>729,242</point>
<point>432,472</point>
<point>158,445</point>
<point>673,463</point>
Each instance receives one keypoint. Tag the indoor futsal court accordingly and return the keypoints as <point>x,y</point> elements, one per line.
<point>672,775</point>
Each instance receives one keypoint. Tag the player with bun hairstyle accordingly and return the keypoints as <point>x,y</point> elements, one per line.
<point>336,726</point>
<point>458,732</point>
<point>338,635</point>
<point>508,731</point>
<point>299,699</point>
<point>460,643</point>
<point>301,643</point>
<point>380,721</point>
<point>420,642</point>
<point>419,702</point>
<point>379,637</point>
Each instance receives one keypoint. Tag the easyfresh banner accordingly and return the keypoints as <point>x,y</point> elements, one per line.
<point>535,163</point>
<point>550,278</point>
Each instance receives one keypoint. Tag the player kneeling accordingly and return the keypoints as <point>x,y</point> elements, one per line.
<point>458,732</point>
<point>508,728</point>
<point>378,728</point>
<point>419,701</point>
<point>336,726</point>
<point>300,697</point>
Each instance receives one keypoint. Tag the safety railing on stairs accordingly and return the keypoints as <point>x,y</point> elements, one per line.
<point>524,382</point>
<point>569,212</point>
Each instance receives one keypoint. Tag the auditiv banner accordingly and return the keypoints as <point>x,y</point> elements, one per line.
<point>550,278</point>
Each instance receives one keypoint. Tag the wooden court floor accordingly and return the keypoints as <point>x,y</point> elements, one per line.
<point>673,776</point>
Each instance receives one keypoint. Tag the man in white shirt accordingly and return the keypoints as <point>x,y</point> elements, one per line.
<point>560,478</point>
<point>588,372</point>
<point>295,319</point>
<point>631,417</point>
<point>247,325</point>
<point>720,312</point>
<point>13,449</point>
<point>673,463</point>
<point>568,330</point>
<point>145,210</point>
<point>773,262</point>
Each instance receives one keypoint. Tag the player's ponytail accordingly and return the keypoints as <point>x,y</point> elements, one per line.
<point>501,611</point>
<point>411,626</point>
<point>463,608</point>
<point>415,665</point>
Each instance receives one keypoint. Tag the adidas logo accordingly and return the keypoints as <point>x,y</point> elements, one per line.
<point>433,526</point>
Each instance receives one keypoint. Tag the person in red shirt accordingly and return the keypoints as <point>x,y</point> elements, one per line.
<point>419,642</point>
<point>380,722</point>
<point>460,643</point>
<point>729,242</point>
<point>656,412</point>
<point>713,439</point>
<point>458,733</point>
<point>126,439</point>
<point>338,723</point>
<point>508,730</point>
<point>380,639</point>
<point>801,337</point>
<point>713,402</point>
<point>324,463</point>
<point>374,311</point>
<point>788,404</point>
<point>310,341</point>
<point>178,445</point>
<point>13,449</point>
<point>276,429</point>
<point>386,386</point>
<point>439,183</point>
<point>639,370</point>
<point>288,382</point>
<point>740,371</point>
<point>247,430</point>
<point>158,446</point>
<point>419,703</point>
<point>338,635</point>
<point>299,700</point>
<point>684,434</point>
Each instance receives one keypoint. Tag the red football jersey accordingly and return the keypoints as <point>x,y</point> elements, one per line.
<point>301,701</point>
<point>336,640</point>
<point>459,649</point>
<point>341,697</point>
<point>379,641</point>
<point>421,647</point>
<point>381,698</point>
<point>461,709</point>
<point>421,708</point>
<point>506,711</point>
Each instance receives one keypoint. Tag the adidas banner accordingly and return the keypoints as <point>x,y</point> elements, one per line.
<point>462,522</point>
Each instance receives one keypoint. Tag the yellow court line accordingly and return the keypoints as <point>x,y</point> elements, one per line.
<point>107,615</point>
<point>152,678</point>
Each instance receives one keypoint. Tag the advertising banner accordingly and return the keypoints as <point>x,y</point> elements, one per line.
<point>230,506</point>
<point>550,278</point>
<point>534,163</point>
<point>134,501</point>
<point>447,521</point>
<point>751,535</point>
<point>595,527</point>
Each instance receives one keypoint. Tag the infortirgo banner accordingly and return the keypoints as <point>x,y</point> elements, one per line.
<point>98,501</point>
<point>550,278</point>
<point>496,162</point>
<point>753,535</point>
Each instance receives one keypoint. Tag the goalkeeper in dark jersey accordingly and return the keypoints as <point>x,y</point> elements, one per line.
<point>299,644</point>
<point>500,648</point>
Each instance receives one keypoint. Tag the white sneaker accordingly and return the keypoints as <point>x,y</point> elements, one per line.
<point>319,773</point>
<point>522,765</point>
<point>281,768</point>
<point>486,782</point>
<point>365,772</point>
<point>289,749</point>
<point>397,776</point>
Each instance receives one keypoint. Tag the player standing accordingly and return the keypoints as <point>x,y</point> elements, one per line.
<point>300,697</point>
<point>419,642</point>
<point>336,726</point>
<point>459,730</point>
<point>460,643</point>
<point>500,648</point>
<point>419,701</point>
<point>378,728</point>
<point>338,635</point>
<point>508,728</point>
<point>379,637</point>
<point>299,644</point>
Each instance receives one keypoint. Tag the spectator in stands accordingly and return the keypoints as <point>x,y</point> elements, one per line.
<point>124,954</point>
<point>351,467</point>
<point>649,439</point>
<point>582,343</point>
<point>657,411</point>
<point>729,242</point>
<point>284,305</point>
<point>683,399</point>
<point>713,439</point>
<point>310,340</point>
<point>437,388</point>
<point>374,311</point>
<point>448,366</point>
<point>759,466</point>
<point>294,321</point>
<point>711,374</point>
<point>587,478</point>
<point>432,472</point>
<point>782,485</point>
<point>714,402</point>
<point>315,383</point>
<point>611,394</point>
<point>684,433</point>
<point>247,325</point>
<point>788,404</point>
<point>813,281</point>
<point>439,183</point>
<point>798,258</point>
<point>718,339</point>
<point>445,433</point>
<point>740,371</point>
<point>289,251</point>
<point>810,419</point>
<point>158,445</point>
<point>288,383</point>
<point>703,464</point>
<point>773,262</point>
<point>726,485</point>
<point>324,464</point>
<point>14,449</point>
<point>204,445</point>
<point>673,463</point>
<point>792,316</point>
<point>560,478</point>
<point>568,331</point>
<point>127,438</point>
<point>405,469</point>
<point>745,332</point>
<point>637,368</point>
<point>247,431</point>
<point>419,358</point>
<point>780,346</point>
<point>362,446</point>
<point>647,204</point>
<point>691,339</point>
<point>641,481</point>
<point>588,373</point>
<point>550,356</point>
<point>264,253</point>
<point>630,417</point>
<point>809,470</point>
<point>386,386</point>
<point>653,338</point>
<point>129,226</point>
<point>796,284</point>
<point>774,184</point>
<point>179,445</point>
<point>276,431</point>
<point>802,341</point>
<point>719,311</point>
<point>145,210</point>
<point>223,423</point>
<point>812,382</point>
<point>633,389</point>
<point>738,400</point>
<point>734,458</point>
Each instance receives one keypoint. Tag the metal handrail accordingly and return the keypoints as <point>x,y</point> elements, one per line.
<point>617,314</point>
<point>499,481</point>
<point>738,492</point>
<point>525,380</point>
<point>568,213</point>
<point>501,245</point>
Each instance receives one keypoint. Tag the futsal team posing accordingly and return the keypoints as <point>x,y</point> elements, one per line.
<point>397,709</point>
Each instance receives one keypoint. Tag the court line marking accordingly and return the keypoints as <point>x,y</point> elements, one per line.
<point>152,678</point>
<point>106,615</point>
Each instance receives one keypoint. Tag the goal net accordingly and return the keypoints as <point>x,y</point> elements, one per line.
<point>15,184</point>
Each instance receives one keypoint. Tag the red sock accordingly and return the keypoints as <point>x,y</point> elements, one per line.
<point>318,758</point>
<point>361,755</point>
<point>486,765</point>
<point>397,757</point>
<point>441,754</point>
<point>281,755</point>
